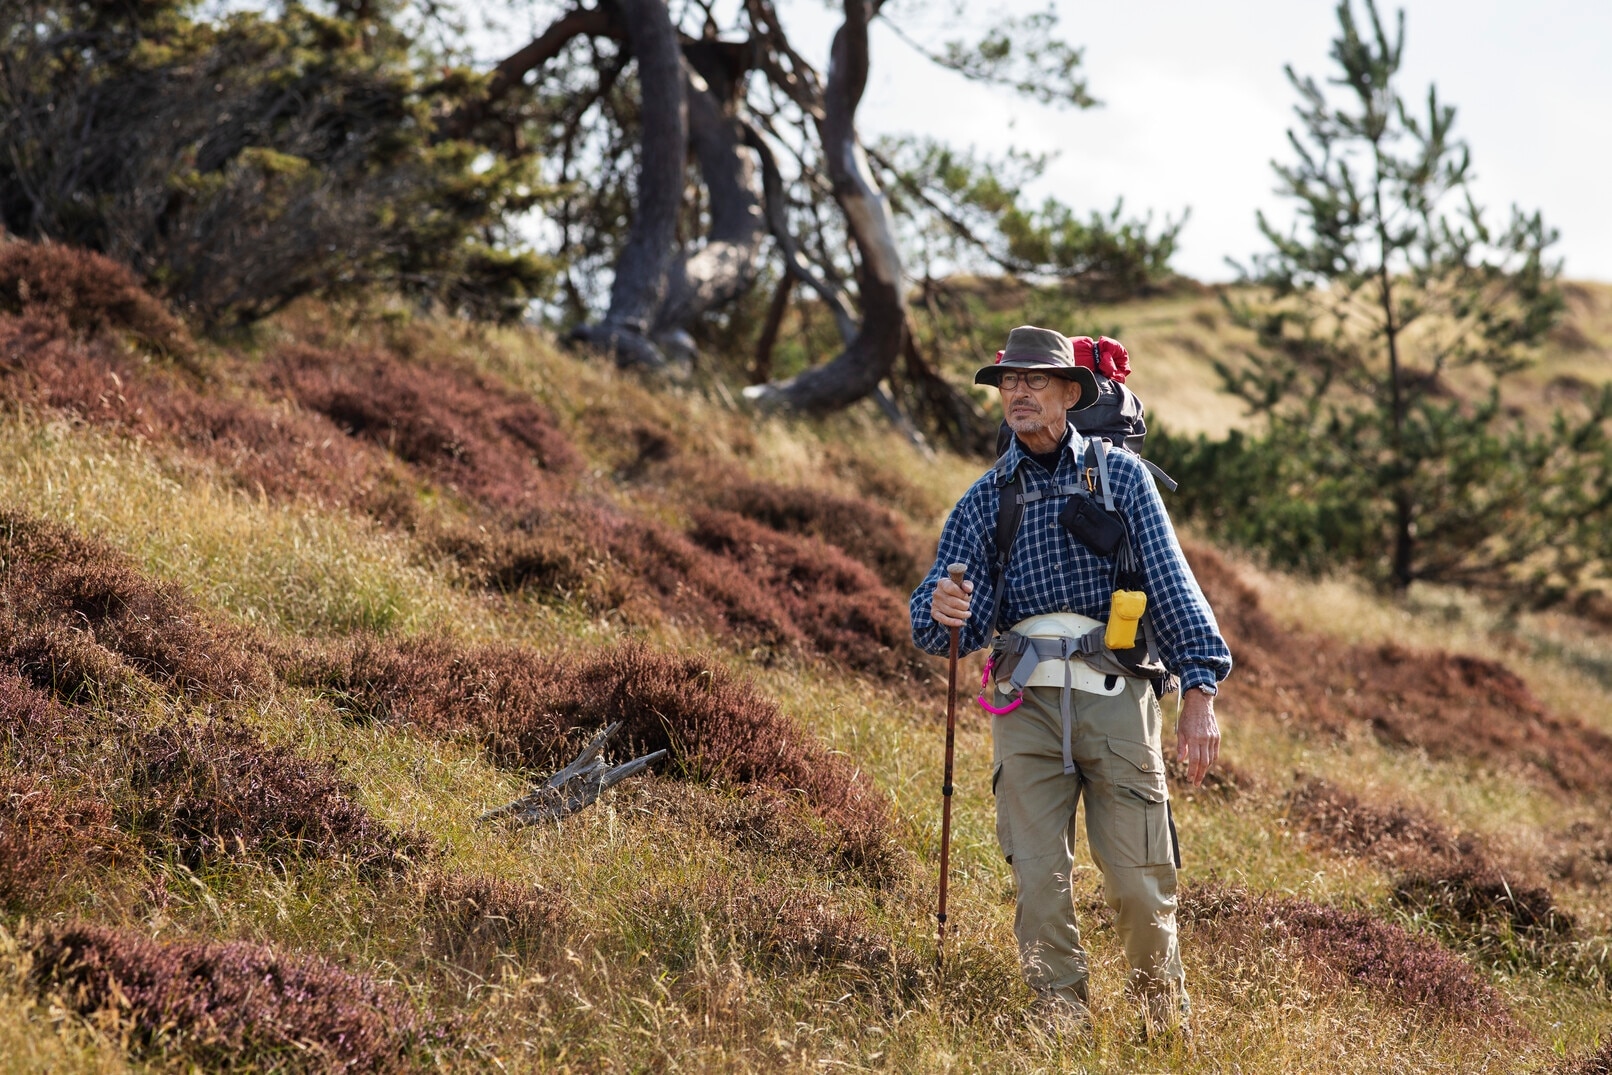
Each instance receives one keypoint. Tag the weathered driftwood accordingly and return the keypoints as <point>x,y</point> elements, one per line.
<point>576,786</point>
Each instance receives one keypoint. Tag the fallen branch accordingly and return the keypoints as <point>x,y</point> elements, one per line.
<point>575,787</point>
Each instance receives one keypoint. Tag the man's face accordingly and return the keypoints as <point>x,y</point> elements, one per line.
<point>1030,410</point>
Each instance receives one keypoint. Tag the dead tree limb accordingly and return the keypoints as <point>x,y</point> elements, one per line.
<point>513,69</point>
<point>868,358</point>
<point>575,787</point>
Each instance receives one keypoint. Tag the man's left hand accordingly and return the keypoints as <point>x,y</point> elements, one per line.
<point>1197,735</point>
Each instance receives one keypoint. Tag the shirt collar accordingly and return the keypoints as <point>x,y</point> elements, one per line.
<point>1015,454</point>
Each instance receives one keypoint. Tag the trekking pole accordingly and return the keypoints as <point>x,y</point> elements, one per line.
<point>956,572</point>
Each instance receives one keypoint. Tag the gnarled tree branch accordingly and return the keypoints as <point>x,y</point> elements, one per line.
<point>859,368</point>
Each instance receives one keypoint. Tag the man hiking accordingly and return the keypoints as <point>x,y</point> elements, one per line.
<point>1076,692</point>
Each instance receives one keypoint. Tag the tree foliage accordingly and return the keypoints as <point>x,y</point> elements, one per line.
<point>1389,319</point>
<point>242,163</point>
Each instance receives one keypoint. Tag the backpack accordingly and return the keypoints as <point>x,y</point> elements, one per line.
<point>1118,416</point>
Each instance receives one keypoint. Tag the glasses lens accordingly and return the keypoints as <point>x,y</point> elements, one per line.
<point>1034,381</point>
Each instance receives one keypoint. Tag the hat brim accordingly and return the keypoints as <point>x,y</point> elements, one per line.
<point>992,375</point>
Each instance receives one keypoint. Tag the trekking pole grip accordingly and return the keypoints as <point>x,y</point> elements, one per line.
<point>957,571</point>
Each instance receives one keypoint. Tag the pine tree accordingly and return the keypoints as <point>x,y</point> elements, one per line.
<point>1389,317</point>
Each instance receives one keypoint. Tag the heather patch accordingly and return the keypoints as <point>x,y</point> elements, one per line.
<point>224,1005</point>
<point>1449,880</point>
<point>267,449</point>
<point>86,292</point>
<point>841,606</point>
<point>488,444</point>
<point>1392,834</point>
<point>534,711</point>
<point>865,531</point>
<point>79,615</point>
<point>1348,947</point>
<point>215,789</point>
<point>1447,704</point>
<point>49,837</point>
<point>1598,1062</point>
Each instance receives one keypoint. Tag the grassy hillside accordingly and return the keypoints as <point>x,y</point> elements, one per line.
<point>284,617</point>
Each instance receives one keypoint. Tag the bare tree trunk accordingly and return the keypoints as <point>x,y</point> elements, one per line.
<point>640,284</point>
<point>857,371</point>
<point>726,266</point>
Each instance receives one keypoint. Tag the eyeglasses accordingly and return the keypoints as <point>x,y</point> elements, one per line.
<point>1035,382</point>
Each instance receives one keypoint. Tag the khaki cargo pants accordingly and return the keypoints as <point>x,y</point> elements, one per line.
<point>1119,767</point>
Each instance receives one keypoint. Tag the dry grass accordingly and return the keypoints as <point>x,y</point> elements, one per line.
<point>764,903</point>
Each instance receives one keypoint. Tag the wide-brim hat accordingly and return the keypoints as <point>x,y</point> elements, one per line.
<point>1031,348</point>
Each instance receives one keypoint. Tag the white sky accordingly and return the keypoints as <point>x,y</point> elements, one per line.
<point>1196,106</point>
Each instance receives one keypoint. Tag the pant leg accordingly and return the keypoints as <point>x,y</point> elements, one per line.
<point>1035,814</point>
<point>1119,750</point>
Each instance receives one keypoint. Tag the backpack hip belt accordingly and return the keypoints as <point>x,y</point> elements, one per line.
<point>1061,649</point>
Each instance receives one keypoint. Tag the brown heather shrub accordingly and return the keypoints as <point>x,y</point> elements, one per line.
<point>86,292</point>
<point>78,613</point>
<point>534,711</point>
<point>216,789</point>
<point>1481,899</point>
<point>1350,947</point>
<point>1447,704</point>
<point>841,606</point>
<point>867,532</point>
<point>1448,879</point>
<point>611,562</point>
<point>472,920</point>
<point>272,449</point>
<point>1596,1063</point>
<point>1394,835</point>
<point>34,728</point>
<point>490,445</point>
<point>226,1005</point>
<point>50,836</point>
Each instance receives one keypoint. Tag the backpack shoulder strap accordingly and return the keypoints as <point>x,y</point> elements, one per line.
<point>1009,514</point>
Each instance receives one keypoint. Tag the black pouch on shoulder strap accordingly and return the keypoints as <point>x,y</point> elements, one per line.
<point>1093,527</point>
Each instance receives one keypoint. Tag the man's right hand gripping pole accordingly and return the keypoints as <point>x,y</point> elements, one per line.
<point>949,605</point>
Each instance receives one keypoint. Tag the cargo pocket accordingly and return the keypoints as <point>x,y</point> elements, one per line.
<point>1141,805</point>
<point>1004,835</point>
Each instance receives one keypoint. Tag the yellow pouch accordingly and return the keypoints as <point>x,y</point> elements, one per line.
<point>1123,615</point>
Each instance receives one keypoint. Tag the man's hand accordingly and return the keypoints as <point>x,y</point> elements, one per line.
<point>949,605</point>
<point>1197,735</point>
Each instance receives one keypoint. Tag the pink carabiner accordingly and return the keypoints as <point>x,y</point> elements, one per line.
<point>985,682</point>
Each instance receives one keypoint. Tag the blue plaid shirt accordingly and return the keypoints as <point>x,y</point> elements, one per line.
<point>1050,571</point>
